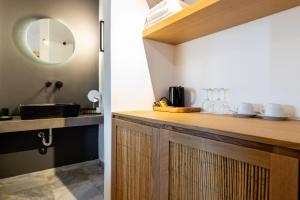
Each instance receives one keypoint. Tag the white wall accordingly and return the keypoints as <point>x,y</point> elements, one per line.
<point>131,84</point>
<point>138,68</point>
<point>160,58</point>
<point>33,36</point>
<point>136,72</point>
<point>59,33</point>
<point>259,61</point>
<point>105,9</point>
<point>101,86</point>
<point>44,35</point>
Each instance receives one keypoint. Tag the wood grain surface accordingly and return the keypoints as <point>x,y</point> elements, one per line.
<point>152,162</point>
<point>209,16</point>
<point>279,133</point>
<point>135,154</point>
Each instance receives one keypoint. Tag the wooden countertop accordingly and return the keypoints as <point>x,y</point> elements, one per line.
<point>279,133</point>
<point>17,124</point>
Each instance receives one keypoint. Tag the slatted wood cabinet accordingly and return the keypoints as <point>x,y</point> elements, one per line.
<point>152,162</point>
<point>135,161</point>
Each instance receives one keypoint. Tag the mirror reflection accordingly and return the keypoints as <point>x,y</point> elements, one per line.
<point>50,41</point>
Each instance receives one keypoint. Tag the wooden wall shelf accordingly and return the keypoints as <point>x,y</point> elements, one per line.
<point>209,16</point>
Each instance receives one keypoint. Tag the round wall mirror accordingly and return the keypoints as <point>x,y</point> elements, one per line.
<point>50,41</point>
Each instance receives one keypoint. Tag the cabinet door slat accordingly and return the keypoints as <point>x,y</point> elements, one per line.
<point>219,178</point>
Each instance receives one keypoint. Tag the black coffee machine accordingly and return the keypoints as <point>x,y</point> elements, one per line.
<point>176,96</point>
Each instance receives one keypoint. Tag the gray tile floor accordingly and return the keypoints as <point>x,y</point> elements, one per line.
<point>83,181</point>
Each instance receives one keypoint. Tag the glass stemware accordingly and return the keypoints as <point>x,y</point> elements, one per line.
<point>226,107</point>
<point>206,102</point>
<point>211,100</point>
<point>218,101</point>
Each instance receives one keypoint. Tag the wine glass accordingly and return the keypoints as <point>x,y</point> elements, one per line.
<point>226,107</point>
<point>206,102</point>
<point>218,101</point>
<point>211,100</point>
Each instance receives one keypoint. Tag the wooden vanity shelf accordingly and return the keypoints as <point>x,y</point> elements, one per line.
<point>17,125</point>
<point>209,16</point>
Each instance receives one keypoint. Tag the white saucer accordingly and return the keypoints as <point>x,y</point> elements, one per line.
<point>244,115</point>
<point>273,118</point>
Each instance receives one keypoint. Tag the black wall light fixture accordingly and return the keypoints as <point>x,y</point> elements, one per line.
<point>102,36</point>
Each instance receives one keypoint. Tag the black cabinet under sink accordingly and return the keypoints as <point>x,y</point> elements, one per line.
<point>41,111</point>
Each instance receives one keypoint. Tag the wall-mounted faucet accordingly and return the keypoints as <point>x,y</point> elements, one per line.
<point>59,85</point>
<point>48,84</point>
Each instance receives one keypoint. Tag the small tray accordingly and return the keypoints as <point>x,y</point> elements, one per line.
<point>5,118</point>
<point>172,109</point>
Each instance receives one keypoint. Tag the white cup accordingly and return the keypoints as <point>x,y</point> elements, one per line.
<point>98,110</point>
<point>273,110</point>
<point>245,109</point>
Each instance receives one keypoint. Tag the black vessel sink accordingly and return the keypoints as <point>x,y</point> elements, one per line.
<point>42,111</point>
